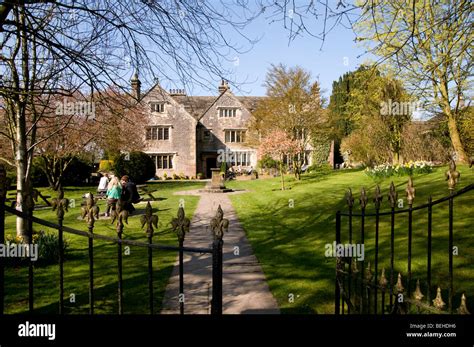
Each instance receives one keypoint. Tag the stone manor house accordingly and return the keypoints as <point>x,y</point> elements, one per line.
<point>186,134</point>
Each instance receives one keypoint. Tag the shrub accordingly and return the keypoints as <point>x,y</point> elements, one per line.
<point>78,171</point>
<point>319,168</point>
<point>48,249</point>
<point>199,175</point>
<point>267,162</point>
<point>140,167</point>
<point>106,165</point>
<point>175,176</point>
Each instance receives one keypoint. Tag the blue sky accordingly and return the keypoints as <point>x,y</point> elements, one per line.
<point>339,54</point>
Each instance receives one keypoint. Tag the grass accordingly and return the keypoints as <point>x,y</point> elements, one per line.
<point>290,241</point>
<point>76,267</point>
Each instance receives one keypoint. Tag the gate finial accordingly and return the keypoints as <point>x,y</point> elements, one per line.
<point>363,198</point>
<point>90,210</point>
<point>60,204</point>
<point>418,294</point>
<point>410,191</point>
<point>180,224</point>
<point>377,197</point>
<point>452,175</point>
<point>463,307</point>
<point>392,195</point>
<point>399,285</point>
<point>349,198</point>
<point>219,224</point>
<point>438,301</point>
<point>149,219</point>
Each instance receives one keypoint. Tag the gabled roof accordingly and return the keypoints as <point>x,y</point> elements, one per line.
<point>196,106</point>
<point>250,102</point>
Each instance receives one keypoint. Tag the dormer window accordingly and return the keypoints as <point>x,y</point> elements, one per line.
<point>157,107</point>
<point>227,112</point>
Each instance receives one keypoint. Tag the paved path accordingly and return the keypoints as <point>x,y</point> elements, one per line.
<point>245,289</point>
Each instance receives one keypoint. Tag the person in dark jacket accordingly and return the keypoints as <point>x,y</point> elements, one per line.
<point>129,193</point>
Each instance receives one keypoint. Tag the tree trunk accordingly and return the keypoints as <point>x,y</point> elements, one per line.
<point>455,138</point>
<point>282,176</point>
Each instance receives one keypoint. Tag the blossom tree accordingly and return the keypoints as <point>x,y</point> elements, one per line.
<point>278,145</point>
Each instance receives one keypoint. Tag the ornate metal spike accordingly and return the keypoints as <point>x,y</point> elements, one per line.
<point>392,195</point>
<point>363,198</point>
<point>60,204</point>
<point>463,307</point>
<point>369,275</point>
<point>383,280</point>
<point>377,197</point>
<point>180,224</point>
<point>349,198</point>
<point>410,191</point>
<point>219,224</point>
<point>399,285</point>
<point>418,294</point>
<point>438,301</point>
<point>90,211</point>
<point>149,219</point>
<point>452,175</point>
<point>120,214</point>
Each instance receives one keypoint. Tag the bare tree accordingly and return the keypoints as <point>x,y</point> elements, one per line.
<point>82,47</point>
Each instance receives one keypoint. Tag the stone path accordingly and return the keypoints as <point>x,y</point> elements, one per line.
<point>245,290</point>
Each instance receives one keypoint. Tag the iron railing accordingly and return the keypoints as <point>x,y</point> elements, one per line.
<point>180,225</point>
<point>359,290</point>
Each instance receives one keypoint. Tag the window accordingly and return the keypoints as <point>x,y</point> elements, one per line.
<point>158,133</point>
<point>241,158</point>
<point>299,134</point>
<point>163,161</point>
<point>235,136</point>
<point>227,112</point>
<point>157,107</point>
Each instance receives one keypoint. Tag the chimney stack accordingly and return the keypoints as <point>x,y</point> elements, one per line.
<point>223,87</point>
<point>136,86</point>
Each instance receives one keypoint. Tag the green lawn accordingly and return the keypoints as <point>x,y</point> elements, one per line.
<point>290,241</point>
<point>76,267</point>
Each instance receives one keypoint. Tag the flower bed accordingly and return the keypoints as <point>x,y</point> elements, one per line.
<point>408,169</point>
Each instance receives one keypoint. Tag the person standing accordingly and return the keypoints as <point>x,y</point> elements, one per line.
<point>103,183</point>
<point>114,192</point>
<point>130,194</point>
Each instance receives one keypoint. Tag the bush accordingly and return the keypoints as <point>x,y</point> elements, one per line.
<point>319,168</point>
<point>48,248</point>
<point>199,175</point>
<point>77,173</point>
<point>140,167</point>
<point>267,162</point>
<point>175,176</point>
<point>106,165</point>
